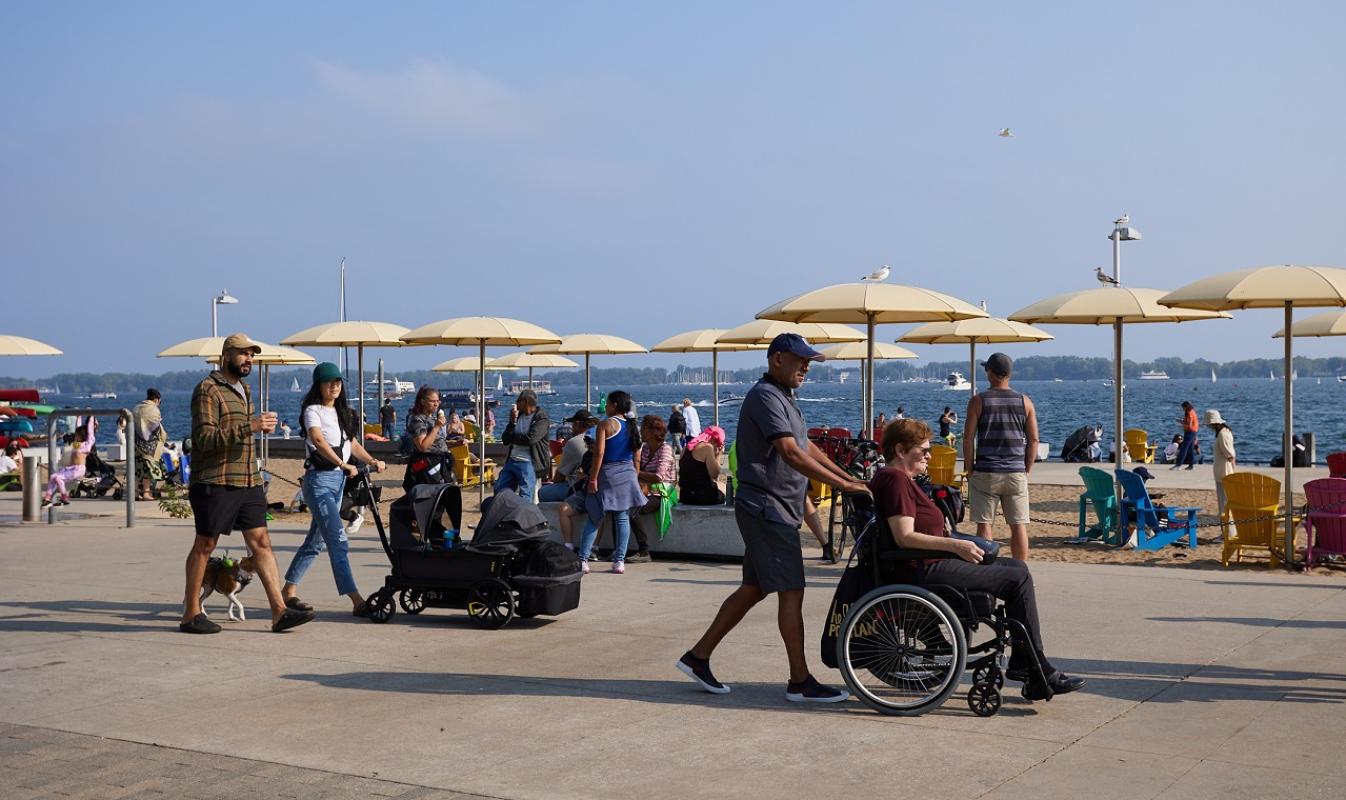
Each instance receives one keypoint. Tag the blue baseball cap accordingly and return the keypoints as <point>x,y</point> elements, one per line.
<point>794,344</point>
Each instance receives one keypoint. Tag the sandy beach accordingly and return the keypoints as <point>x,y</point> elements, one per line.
<point>1054,513</point>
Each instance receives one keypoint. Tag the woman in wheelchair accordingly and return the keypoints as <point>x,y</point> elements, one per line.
<point>916,523</point>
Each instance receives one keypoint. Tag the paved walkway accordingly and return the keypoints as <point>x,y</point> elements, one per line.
<point>1201,684</point>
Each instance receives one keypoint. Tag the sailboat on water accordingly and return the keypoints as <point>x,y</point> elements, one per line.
<point>499,382</point>
<point>294,385</point>
<point>1212,374</point>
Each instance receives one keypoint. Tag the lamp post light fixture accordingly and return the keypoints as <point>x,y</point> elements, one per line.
<point>1121,232</point>
<point>225,299</point>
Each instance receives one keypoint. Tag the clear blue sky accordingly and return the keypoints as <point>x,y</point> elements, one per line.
<point>642,169</point>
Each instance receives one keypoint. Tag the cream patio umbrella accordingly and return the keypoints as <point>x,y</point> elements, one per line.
<point>531,361</point>
<point>351,333</point>
<point>470,364</point>
<point>1114,305</point>
<point>590,344</point>
<point>705,340</point>
<point>859,351</point>
<point>1281,286</point>
<point>972,332</point>
<point>483,332</point>
<point>873,303</point>
<point>23,346</point>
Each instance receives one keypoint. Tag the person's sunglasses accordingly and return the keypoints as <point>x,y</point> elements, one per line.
<point>925,451</point>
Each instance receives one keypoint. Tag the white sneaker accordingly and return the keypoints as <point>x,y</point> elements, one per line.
<point>619,567</point>
<point>356,524</point>
<point>584,565</point>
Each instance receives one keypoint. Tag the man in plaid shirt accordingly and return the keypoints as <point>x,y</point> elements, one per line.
<point>226,492</point>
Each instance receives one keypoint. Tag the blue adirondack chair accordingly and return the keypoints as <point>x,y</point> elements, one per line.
<point>1154,528</point>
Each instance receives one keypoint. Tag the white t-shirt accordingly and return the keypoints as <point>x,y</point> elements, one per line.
<point>316,416</point>
<point>693,421</point>
<point>7,464</point>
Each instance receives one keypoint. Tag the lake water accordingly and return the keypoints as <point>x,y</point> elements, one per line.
<point>1253,408</point>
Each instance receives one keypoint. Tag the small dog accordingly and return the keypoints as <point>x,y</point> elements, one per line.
<point>228,576</point>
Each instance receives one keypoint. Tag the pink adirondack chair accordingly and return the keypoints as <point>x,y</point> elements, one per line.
<point>1325,523</point>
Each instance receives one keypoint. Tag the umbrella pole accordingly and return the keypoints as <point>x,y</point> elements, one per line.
<point>1117,410</point>
<point>972,367</point>
<point>530,377</point>
<point>863,383</point>
<point>266,403</point>
<point>1287,448</point>
<point>587,397</point>
<point>715,384</point>
<point>360,360</point>
<point>869,373</point>
<point>481,424</point>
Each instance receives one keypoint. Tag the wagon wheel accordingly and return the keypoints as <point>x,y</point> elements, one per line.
<point>380,606</point>
<point>989,674</point>
<point>983,699</point>
<point>490,603</point>
<point>412,601</point>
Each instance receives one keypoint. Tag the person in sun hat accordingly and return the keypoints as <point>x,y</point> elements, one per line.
<point>1225,458</point>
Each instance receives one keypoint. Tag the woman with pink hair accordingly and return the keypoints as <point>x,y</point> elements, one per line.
<point>699,467</point>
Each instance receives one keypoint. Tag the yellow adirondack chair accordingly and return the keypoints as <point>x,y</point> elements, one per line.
<point>1252,501</point>
<point>466,468</point>
<point>1138,445</point>
<point>943,465</point>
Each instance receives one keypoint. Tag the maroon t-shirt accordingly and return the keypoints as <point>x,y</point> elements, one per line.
<point>897,495</point>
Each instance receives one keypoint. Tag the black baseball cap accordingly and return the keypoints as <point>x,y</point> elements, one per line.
<point>999,363</point>
<point>795,344</point>
<point>584,416</point>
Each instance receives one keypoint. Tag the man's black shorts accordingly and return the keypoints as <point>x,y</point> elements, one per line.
<point>222,509</point>
<point>772,558</point>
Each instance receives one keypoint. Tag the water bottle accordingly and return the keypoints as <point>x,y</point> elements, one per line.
<point>450,538</point>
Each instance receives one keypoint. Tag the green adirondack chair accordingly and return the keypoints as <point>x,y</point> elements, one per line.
<point>1101,493</point>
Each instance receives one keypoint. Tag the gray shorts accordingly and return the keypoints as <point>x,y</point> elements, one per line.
<point>772,558</point>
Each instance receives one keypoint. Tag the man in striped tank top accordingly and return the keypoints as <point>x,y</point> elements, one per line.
<point>999,453</point>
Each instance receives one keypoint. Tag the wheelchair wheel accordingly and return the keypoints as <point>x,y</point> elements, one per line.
<point>983,699</point>
<point>989,674</point>
<point>902,650</point>
<point>491,603</point>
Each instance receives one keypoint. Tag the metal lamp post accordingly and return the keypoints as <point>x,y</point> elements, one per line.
<point>1121,232</point>
<point>224,299</point>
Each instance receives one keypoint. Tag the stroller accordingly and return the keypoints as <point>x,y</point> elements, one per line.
<point>1076,447</point>
<point>99,478</point>
<point>510,568</point>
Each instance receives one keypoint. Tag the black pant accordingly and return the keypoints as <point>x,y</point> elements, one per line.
<point>640,518</point>
<point>1006,578</point>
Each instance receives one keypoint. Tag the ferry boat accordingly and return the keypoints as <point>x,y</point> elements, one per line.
<point>956,382</point>
<point>539,386</point>
<point>103,396</point>
<point>392,387</point>
<point>1154,375</point>
<point>464,398</point>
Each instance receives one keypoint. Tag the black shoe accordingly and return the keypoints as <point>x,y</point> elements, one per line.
<point>199,624</point>
<point>291,619</point>
<point>642,557</point>
<point>827,554</point>
<point>297,604</point>
<point>698,669</point>
<point>1057,683</point>
<point>810,691</point>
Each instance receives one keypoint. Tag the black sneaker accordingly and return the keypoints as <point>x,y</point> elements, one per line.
<point>1057,683</point>
<point>827,553</point>
<point>199,624</point>
<point>698,669</point>
<point>810,691</point>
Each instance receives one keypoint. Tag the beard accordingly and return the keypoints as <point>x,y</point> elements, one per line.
<point>235,370</point>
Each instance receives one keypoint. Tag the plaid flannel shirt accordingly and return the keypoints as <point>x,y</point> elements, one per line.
<point>222,439</point>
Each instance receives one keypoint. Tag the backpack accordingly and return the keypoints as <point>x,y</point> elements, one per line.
<point>677,423</point>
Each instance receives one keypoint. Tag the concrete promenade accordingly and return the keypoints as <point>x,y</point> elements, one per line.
<point>1202,684</point>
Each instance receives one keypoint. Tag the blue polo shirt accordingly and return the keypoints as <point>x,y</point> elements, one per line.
<point>767,486</point>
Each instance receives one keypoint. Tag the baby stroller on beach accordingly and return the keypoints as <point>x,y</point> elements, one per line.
<point>1076,447</point>
<point>510,568</point>
<point>99,478</point>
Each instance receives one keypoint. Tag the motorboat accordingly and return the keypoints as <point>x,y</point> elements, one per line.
<point>1154,375</point>
<point>956,382</point>
<point>103,396</point>
<point>540,387</point>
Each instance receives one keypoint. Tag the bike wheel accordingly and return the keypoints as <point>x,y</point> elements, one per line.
<point>901,650</point>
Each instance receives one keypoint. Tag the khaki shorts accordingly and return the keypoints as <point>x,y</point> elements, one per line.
<point>1007,490</point>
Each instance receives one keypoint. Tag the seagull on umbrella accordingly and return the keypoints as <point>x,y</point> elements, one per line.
<point>1005,133</point>
<point>1103,277</point>
<point>880,274</point>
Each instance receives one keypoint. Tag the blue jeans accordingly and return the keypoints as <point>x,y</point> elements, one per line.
<point>517,476</point>
<point>1186,450</point>
<point>322,493</point>
<point>553,492</point>
<point>621,521</point>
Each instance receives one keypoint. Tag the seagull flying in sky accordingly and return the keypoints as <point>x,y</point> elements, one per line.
<point>1103,277</point>
<point>1005,133</point>
<point>880,274</point>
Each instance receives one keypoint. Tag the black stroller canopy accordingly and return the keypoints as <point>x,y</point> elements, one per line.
<point>1076,447</point>
<point>510,520</point>
<point>425,504</point>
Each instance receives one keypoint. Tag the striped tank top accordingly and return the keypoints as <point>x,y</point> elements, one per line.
<point>1001,429</point>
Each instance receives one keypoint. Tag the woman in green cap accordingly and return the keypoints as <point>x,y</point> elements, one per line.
<point>330,429</point>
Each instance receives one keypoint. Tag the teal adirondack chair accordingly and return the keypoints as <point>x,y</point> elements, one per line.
<point>1154,528</point>
<point>1101,493</point>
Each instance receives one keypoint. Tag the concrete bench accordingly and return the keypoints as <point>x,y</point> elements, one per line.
<point>697,532</point>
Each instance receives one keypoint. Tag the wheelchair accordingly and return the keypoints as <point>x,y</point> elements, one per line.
<point>902,648</point>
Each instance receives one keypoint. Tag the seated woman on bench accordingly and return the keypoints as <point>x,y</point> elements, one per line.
<point>915,522</point>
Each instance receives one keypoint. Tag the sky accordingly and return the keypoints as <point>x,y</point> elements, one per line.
<point>643,169</point>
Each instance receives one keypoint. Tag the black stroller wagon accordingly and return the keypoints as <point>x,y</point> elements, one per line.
<point>509,569</point>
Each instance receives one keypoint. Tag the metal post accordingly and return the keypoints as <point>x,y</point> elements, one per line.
<point>1287,446</point>
<point>32,490</point>
<point>587,397</point>
<point>129,489</point>
<point>972,367</point>
<point>481,423</point>
<point>214,323</point>
<point>715,383</point>
<point>360,357</point>
<point>869,373</point>
<point>380,380</point>
<point>1117,407</point>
